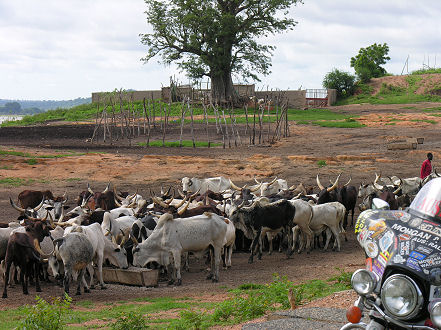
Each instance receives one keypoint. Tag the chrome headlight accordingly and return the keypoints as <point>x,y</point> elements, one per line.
<point>401,297</point>
<point>435,314</point>
<point>363,282</point>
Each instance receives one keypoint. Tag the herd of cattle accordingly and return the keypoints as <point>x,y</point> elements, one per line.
<point>159,231</point>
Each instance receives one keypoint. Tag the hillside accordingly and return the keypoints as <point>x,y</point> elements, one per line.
<point>424,84</point>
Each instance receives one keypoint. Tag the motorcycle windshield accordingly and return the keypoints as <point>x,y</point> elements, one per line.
<point>399,238</point>
<point>427,202</point>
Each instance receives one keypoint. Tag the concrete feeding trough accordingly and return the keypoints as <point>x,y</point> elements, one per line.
<point>131,276</point>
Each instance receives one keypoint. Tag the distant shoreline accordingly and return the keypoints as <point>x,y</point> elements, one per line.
<point>4,118</point>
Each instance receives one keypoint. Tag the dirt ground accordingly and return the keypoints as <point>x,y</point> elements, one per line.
<point>357,152</point>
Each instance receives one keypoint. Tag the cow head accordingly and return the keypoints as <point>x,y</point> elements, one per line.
<point>188,185</point>
<point>327,194</point>
<point>32,212</point>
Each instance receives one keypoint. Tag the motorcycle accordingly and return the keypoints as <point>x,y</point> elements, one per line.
<point>400,287</point>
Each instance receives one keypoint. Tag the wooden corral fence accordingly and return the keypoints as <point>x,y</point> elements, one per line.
<point>120,120</point>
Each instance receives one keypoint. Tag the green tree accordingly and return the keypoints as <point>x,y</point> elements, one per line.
<point>341,81</point>
<point>367,64</point>
<point>216,38</point>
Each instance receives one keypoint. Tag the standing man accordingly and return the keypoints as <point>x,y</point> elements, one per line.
<point>426,167</point>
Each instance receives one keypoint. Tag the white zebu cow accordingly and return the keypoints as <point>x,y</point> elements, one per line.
<point>217,184</point>
<point>325,216</point>
<point>102,249</point>
<point>116,226</point>
<point>177,236</point>
<point>273,187</point>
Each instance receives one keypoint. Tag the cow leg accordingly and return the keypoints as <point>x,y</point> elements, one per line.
<point>186,262</point>
<point>270,238</point>
<point>224,257</point>
<point>328,235</point>
<point>177,263</point>
<point>79,280</point>
<point>24,279</point>
<point>36,267</point>
<point>91,271</point>
<point>336,234</point>
<point>352,221</point>
<point>8,268</point>
<point>216,252</point>
<point>67,275</point>
<point>345,221</point>
<point>230,252</point>
<point>100,271</point>
<point>170,274</point>
<point>253,246</point>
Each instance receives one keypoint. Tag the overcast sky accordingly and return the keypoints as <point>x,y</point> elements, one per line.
<point>67,49</point>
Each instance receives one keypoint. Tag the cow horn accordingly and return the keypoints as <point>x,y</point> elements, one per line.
<point>65,198</point>
<point>159,202</point>
<point>132,205</point>
<point>195,194</point>
<point>107,233</point>
<point>182,202</point>
<point>241,204</point>
<point>39,205</point>
<point>181,211</point>
<point>334,185</point>
<point>51,221</point>
<point>234,186</point>
<point>257,181</point>
<point>168,191</point>
<point>181,193</point>
<point>38,249</point>
<point>134,240</point>
<point>15,206</point>
<point>350,178</point>
<point>124,239</point>
<point>274,180</point>
<point>61,216</point>
<point>117,203</point>
<point>436,172</point>
<point>89,189</point>
<point>116,195</point>
<point>169,202</point>
<point>377,186</point>
<point>63,224</point>
<point>298,196</point>
<point>318,183</point>
<point>114,240</point>
<point>107,188</point>
<point>257,188</point>
<point>397,190</point>
<point>130,197</point>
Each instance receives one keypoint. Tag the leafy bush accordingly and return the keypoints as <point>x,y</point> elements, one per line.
<point>387,89</point>
<point>129,320</point>
<point>426,71</point>
<point>45,315</point>
<point>321,163</point>
<point>341,81</point>
<point>191,320</point>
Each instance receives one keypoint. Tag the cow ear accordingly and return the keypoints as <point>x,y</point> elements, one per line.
<point>117,249</point>
<point>49,208</point>
<point>136,250</point>
<point>65,207</point>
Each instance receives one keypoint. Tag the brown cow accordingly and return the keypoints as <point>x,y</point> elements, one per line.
<point>31,198</point>
<point>24,251</point>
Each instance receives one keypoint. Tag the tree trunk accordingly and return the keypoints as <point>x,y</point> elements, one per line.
<point>222,90</point>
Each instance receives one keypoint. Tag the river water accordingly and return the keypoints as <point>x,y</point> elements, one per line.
<point>9,117</point>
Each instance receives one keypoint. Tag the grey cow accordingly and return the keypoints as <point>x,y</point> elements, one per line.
<point>76,252</point>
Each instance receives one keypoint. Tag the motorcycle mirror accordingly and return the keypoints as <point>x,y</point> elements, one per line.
<point>435,276</point>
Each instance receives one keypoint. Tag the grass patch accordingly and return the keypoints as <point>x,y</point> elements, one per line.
<point>248,301</point>
<point>12,182</point>
<point>31,161</point>
<point>338,124</point>
<point>173,144</point>
<point>390,124</point>
<point>73,179</point>
<point>429,121</point>
<point>321,163</point>
<point>426,71</point>
<point>6,167</point>
<point>34,156</point>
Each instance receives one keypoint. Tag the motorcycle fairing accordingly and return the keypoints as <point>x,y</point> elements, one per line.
<point>399,238</point>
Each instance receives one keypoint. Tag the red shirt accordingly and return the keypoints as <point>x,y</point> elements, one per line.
<point>426,169</point>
